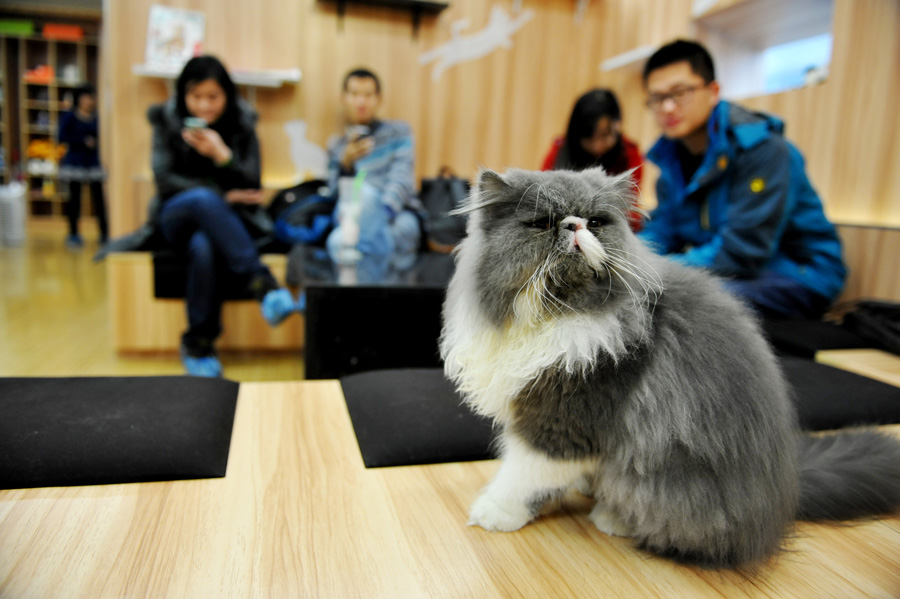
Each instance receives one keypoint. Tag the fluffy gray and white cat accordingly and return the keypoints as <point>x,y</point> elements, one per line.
<point>637,381</point>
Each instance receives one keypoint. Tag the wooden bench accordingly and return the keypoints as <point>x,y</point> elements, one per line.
<point>141,322</point>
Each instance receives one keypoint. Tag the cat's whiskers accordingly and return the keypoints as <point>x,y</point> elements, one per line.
<point>648,275</point>
<point>609,288</point>
<point>530,306</point>
<point>549,272</point>
<point>625,267</point>
<point>558,283</point>
<point>534,300</point>
<point>619,269</point>
<point>634,297</point>
<point>525,193</point>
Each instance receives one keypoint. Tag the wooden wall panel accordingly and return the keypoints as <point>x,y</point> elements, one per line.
<point>504,109</point>
<point>871,257</point>
<point>849,127</point>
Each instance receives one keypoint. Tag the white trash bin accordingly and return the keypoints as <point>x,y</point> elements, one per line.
<point>12,213</point>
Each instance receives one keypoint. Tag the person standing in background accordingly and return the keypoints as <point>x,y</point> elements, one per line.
<point>80,165</point>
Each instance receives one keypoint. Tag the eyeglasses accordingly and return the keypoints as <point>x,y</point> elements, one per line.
<point>678,95</point>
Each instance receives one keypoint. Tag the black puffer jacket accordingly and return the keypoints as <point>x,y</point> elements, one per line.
<point>177,166</point>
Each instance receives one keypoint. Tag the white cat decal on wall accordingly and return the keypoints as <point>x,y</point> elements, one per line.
<point>463,48</point>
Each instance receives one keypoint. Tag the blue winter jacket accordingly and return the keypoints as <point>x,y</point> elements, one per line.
<point>748,210</point>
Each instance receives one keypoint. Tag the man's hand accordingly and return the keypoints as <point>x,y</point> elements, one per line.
<point>244,196</point>
<point>208,143</point>
<point>356,149</point>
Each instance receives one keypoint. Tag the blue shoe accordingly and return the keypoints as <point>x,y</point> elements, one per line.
<point>208,366</point>
<point>74,242</point>
<point>277,305</point>
<point>301,302</point>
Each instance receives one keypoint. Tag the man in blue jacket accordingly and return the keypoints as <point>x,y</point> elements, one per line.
<point>733,195</point>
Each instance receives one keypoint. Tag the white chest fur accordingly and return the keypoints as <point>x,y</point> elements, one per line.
<point>491,365</point>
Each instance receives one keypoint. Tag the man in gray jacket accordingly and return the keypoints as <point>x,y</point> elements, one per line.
<point>373,163</point>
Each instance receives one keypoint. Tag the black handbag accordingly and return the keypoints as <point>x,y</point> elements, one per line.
<point>439,196</point>
<point>877,322</point>
<point>257,222</point>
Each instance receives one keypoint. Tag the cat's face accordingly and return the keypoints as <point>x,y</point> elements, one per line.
<point>553,243</point>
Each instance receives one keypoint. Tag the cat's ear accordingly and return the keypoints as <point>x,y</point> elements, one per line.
<point>490,191</point>
<point>620,190</point>
<point>491,183</point>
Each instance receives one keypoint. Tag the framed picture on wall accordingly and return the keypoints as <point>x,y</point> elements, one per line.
<point>174,36</point>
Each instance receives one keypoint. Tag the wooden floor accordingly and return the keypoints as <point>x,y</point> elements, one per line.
<point>54,321</point>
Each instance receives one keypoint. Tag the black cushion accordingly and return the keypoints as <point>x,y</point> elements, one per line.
<point>829,398</point>
<point>415,416</point>
<point>805,337</point>
<point>84,431</point>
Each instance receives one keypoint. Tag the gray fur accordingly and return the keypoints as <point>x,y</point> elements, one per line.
<point>692,424</point>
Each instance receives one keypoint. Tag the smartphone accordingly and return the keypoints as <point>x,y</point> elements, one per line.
<point>194,122</point>
<point>358,131</point>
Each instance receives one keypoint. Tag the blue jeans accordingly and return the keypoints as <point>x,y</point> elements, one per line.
<point>216,245</point>
<point>777,296</point>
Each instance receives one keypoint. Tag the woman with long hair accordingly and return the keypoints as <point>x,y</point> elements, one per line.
<point>206,164</point>
<point>594,138</point>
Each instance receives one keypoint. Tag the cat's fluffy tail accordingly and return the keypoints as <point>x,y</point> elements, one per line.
<point>849,475</point>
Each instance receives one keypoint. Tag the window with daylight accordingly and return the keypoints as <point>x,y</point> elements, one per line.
<point>766,46</point>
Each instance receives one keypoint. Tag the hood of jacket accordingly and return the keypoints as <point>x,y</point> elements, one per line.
<point>729,124</point>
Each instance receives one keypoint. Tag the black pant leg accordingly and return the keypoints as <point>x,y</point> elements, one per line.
<point>100,208</point>
<point>73,207</point>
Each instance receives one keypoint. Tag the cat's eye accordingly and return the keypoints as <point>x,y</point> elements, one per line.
<point>545,224</point>
<point>597,221</point>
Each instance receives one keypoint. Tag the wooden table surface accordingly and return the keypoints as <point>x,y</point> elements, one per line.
<point>873,363</point>
<point>299,516</point>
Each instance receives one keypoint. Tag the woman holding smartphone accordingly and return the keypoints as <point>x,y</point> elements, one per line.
<point>206,161</point>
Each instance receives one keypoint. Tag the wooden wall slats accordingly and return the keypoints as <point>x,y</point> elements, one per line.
<point>871,257</point>
<point>503,110</point>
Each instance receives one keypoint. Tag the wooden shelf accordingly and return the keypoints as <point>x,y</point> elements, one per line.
<point>268,78</point>
<point>428,6</point>
<point>416,8</point>
<point>45,198</point>
<point>633,59</point>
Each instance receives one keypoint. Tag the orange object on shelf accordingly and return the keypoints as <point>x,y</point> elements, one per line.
<point>43,74</point>
<point>58,31</point>
<point>45,149</point>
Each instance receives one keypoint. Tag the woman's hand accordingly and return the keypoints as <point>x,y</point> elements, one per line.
<point>244,196</point>
<point>207,142</point>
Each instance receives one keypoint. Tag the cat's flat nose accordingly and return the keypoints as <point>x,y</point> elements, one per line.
<point>573,223</point>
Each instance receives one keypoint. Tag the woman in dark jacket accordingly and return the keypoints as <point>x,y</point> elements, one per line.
<point>205,163</point>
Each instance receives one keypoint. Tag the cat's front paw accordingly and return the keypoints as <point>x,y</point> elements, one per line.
<point>607,522</point>
<point>490,515</point>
